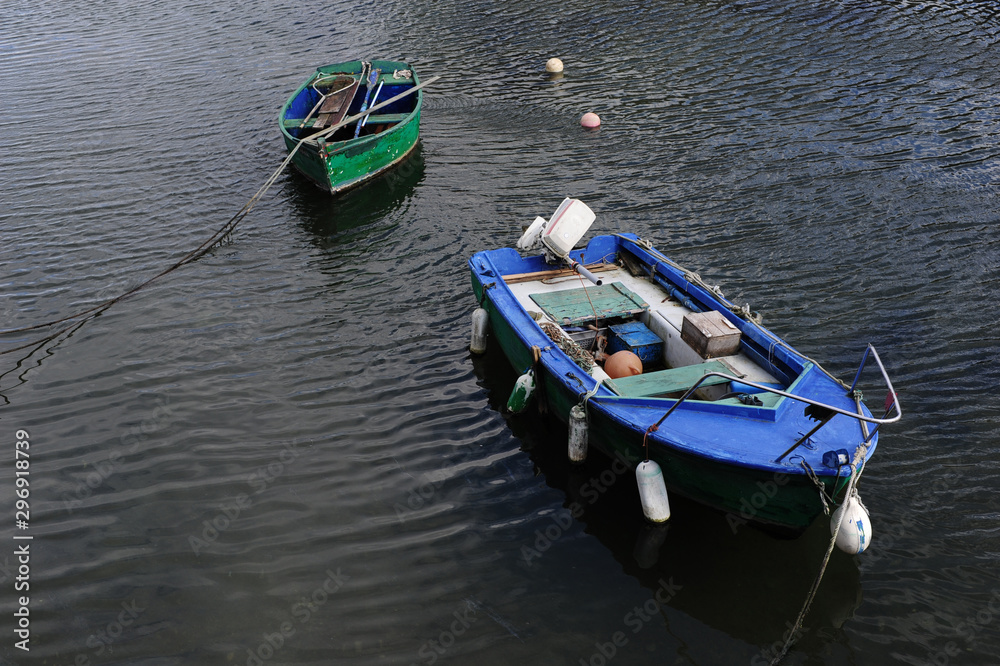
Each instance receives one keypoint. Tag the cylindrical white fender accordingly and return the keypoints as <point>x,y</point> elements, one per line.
<point>855,526</point>
<point>652,492</point>
<point>577,434</point>
<point>480,322</point>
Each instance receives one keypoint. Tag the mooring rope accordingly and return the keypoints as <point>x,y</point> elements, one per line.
<point>857,465</point>
<point>218,237</point>
<point>596,344</point>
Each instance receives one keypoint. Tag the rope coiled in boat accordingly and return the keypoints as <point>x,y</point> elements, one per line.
<point>579,355</point>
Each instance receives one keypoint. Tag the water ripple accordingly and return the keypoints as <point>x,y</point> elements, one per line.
<point>291,429</point>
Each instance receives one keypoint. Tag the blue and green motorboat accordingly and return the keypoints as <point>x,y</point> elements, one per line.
<point>735,417</point>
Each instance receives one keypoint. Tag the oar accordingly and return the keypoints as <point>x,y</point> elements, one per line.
<point>347,121</point>
<point>374,97</point>
<point>815,413</point>
<point>371,84</point>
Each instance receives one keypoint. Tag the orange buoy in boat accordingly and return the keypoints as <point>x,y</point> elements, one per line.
<point>623,364</point>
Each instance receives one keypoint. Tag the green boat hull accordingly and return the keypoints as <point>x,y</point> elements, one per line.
<point>352,165</point>
<point>341,163</point>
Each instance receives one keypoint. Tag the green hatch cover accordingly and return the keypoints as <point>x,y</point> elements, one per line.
<point>663,382</point>
<point>576,306</point>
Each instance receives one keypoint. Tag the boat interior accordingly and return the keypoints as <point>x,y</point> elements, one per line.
<point>332,96</point>
<point>676,342</point>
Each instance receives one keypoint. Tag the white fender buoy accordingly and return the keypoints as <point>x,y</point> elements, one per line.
<point>480,322</point>
<point>578,434</point>
<point>652,491</point>
<point>524,388</point>
<point>855,526</point>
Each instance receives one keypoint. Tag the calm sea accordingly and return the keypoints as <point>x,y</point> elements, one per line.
<point>283,453</point>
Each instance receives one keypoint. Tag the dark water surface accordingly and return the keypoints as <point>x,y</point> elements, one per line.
<point>284,454</point>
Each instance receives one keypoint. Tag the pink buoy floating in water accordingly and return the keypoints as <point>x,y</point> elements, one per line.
<point>590,120</point>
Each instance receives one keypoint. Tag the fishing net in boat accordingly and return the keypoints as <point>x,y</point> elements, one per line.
<point>580,356</point>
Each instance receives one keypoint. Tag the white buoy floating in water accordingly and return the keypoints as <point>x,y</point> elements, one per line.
<point>480,322</point>
<point>577,434</point>
<point>554,66</point>
<point>652,492</point>
<point>524,388</point>
<point>855,526</point>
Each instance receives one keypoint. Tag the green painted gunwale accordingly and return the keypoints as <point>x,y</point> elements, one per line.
<point>340,165</point>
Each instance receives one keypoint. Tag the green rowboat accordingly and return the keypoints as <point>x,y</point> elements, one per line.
<point>361,149</point>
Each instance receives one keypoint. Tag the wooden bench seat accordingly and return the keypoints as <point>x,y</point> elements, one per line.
<point>664,382</point>
<point>384,118</point>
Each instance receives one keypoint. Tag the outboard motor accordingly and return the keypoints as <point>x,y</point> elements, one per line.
<point>560,234</point>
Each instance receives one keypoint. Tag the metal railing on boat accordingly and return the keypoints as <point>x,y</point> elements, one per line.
<point>827,411</point>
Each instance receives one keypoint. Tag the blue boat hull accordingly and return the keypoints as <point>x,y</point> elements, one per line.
<point>719,452</point>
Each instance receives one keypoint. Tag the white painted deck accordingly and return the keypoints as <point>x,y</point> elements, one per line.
<point>664,318</point>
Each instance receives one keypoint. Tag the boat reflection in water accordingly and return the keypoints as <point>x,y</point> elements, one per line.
<point>378,200</point>
<point>732,576</point>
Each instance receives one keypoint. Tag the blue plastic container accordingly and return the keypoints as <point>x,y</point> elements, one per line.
<point>636,338</point>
